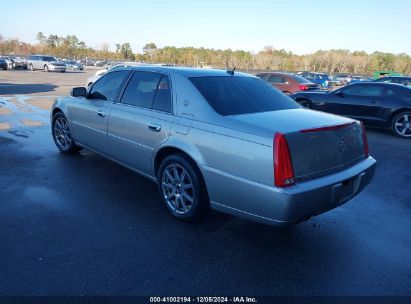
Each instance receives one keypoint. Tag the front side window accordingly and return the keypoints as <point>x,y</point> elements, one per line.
<point>364,90</point>
<point>149,90</point>
<point>229,95</point>
<point>109,86</point>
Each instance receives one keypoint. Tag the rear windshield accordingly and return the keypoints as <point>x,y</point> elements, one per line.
<point>241,95</point>
<point>300,79</point>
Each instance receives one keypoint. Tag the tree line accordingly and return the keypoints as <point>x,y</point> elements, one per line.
<point>330,61</point>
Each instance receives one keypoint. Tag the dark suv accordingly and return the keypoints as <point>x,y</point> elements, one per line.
<point>288,83</point>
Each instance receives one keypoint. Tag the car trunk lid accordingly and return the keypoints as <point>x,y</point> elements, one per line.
<point>319,143</point>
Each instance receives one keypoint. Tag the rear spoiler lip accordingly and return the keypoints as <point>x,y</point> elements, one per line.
<point>327,128</point>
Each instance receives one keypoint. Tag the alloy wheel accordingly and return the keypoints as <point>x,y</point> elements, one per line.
<point>402,125</point>
<point>62,133</point>
<point>178,189</point>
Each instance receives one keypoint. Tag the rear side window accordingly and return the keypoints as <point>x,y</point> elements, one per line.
<point>241,95</point>
<point>276,79</point>
<point>109,86</point>
<point>148,90</point>
<point>162,99</point>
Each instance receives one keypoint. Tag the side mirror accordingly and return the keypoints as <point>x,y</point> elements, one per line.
<point>78,92</point>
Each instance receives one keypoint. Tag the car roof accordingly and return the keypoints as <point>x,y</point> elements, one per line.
<point>386,84</point>
<point>399,77</point>
<point>185,71</point>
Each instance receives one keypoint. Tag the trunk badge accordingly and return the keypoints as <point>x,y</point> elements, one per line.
<point>341,144</point>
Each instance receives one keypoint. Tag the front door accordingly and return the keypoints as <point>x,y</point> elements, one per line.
<point>362,101</point>
<point>90,115</point>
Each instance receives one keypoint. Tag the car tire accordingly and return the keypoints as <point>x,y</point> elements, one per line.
<point>61,132</point>
<point>401,125</point>
<point>182,188</point>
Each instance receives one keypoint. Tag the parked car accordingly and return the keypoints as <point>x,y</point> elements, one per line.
<point>395,79</point>
<point>288,83</point>
<point>320,78</point>
<point>217,139</point>
<point>15,62</point>
<point>46,63</point>
<point>3,64</point>
<point>100,63</point>
<point>341,78</point>
<point>383,105</point>
<point>72,65</point>
<point>355,79</point>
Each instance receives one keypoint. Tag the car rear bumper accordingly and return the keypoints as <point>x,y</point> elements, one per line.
<point>275,206</point>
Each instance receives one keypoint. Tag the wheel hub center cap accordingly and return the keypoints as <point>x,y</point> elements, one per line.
<point>178,189</point>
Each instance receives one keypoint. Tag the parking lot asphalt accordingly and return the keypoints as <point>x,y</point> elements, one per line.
<point>82,225</point>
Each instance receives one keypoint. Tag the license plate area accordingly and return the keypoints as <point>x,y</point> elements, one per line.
<point>346,189</point>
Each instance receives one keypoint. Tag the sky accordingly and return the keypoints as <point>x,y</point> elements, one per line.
<point>299,26</point>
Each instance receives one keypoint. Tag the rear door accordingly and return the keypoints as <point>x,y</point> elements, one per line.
<point>90,115</point>
<point>142,121</point>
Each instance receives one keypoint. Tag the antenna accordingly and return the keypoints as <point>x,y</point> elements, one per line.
<point>231,72</point>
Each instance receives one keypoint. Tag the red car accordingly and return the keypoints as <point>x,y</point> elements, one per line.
<point>288,83</point>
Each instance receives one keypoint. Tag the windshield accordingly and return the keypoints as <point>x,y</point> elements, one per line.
<point>241,95</point>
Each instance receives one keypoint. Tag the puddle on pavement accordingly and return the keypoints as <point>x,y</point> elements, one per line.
<point>4,111</point>
<point>43,103</point>
<point>4,126</point>
<point>42,195</point>
<point>31,123</point>
<point>24,111</point>
<point>21,133</point>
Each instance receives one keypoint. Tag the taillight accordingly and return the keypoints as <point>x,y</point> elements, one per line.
<point>283,168</point>
<point>365,141</point>
<point>303,87</point>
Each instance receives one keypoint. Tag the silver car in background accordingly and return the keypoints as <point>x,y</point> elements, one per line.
<point>45,63</point>
<point>218,139</point>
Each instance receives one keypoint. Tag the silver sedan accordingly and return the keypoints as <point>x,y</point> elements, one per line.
<point>214,139</point>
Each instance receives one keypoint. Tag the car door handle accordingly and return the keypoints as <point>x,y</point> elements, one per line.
<point>154,127</point>
<point>374,101</point>
<point>101,114</point>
